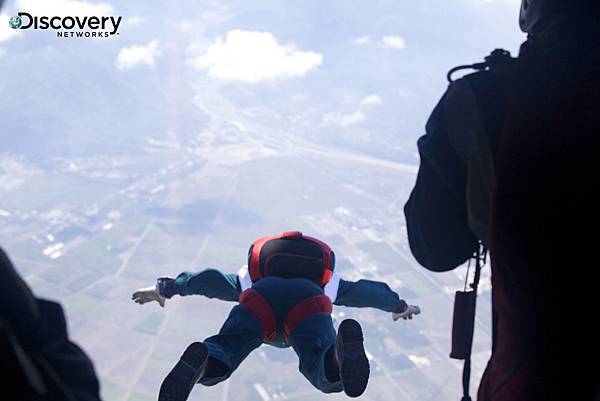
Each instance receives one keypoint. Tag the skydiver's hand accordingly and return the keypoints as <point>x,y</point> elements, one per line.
<point>408,313</point>
<point>144,295</point>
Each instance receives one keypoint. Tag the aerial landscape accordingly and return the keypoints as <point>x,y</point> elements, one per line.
<point>159,151</point>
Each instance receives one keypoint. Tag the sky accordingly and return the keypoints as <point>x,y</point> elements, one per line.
<point>364,76</point>
<point>202,125</point>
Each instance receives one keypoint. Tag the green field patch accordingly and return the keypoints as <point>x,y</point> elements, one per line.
<point>110,390</point>
<point>418,284</point>
<point>141,397</point>
<point>91,256</point>
<point>150,324</point>
<point>84,306</point>
<point>45,289</point>
<point>81,281</point>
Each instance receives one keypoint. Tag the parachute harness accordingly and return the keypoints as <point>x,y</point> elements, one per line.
<point>480,260</point>
<point>463,324</point>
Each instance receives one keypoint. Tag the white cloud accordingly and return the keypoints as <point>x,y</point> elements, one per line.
<point>362,40</point>
<point>6,32</point>
<point>343,120</point>
<point>371,100</point>
<point>390,42</point>
<point>253,57</point>
<point>133,56</point>
<point>64,7</point>
<point>394,42</point>
<point>420,360</point>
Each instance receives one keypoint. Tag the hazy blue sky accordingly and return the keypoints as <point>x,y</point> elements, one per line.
<point>360,74</point>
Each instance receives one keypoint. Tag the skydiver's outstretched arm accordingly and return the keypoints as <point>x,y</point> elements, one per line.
<point>369,294</point>
<point>210,282</point>
<point>374,294</point>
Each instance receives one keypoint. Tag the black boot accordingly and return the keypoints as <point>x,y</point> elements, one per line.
<point>179,382</point>
<point>351,358</point>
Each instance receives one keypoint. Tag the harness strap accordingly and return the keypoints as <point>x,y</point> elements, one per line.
<point>315,305</point>
<point>254,303</point>
<point>480,258</point>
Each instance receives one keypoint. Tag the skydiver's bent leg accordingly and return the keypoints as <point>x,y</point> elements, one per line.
<point>181,379</point>
<point>351,358</point>
<point>313,341</point>
<point>214,360</point>
<point>332,363</point>
<point>241,334</point>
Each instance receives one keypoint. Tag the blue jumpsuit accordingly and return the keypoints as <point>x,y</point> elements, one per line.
<point>311,339</point>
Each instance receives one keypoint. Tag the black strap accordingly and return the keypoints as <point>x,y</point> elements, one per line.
<point>497,57</point>
<point>480,258</point>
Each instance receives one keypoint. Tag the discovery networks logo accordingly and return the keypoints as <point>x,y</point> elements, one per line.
<point>69,27</point>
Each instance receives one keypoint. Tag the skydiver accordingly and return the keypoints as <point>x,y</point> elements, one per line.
<point>508,161</point>
<point>285,296</point>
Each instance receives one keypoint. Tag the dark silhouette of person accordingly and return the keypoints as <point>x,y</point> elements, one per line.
<point>38,361</point>
<point>509,161</point>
